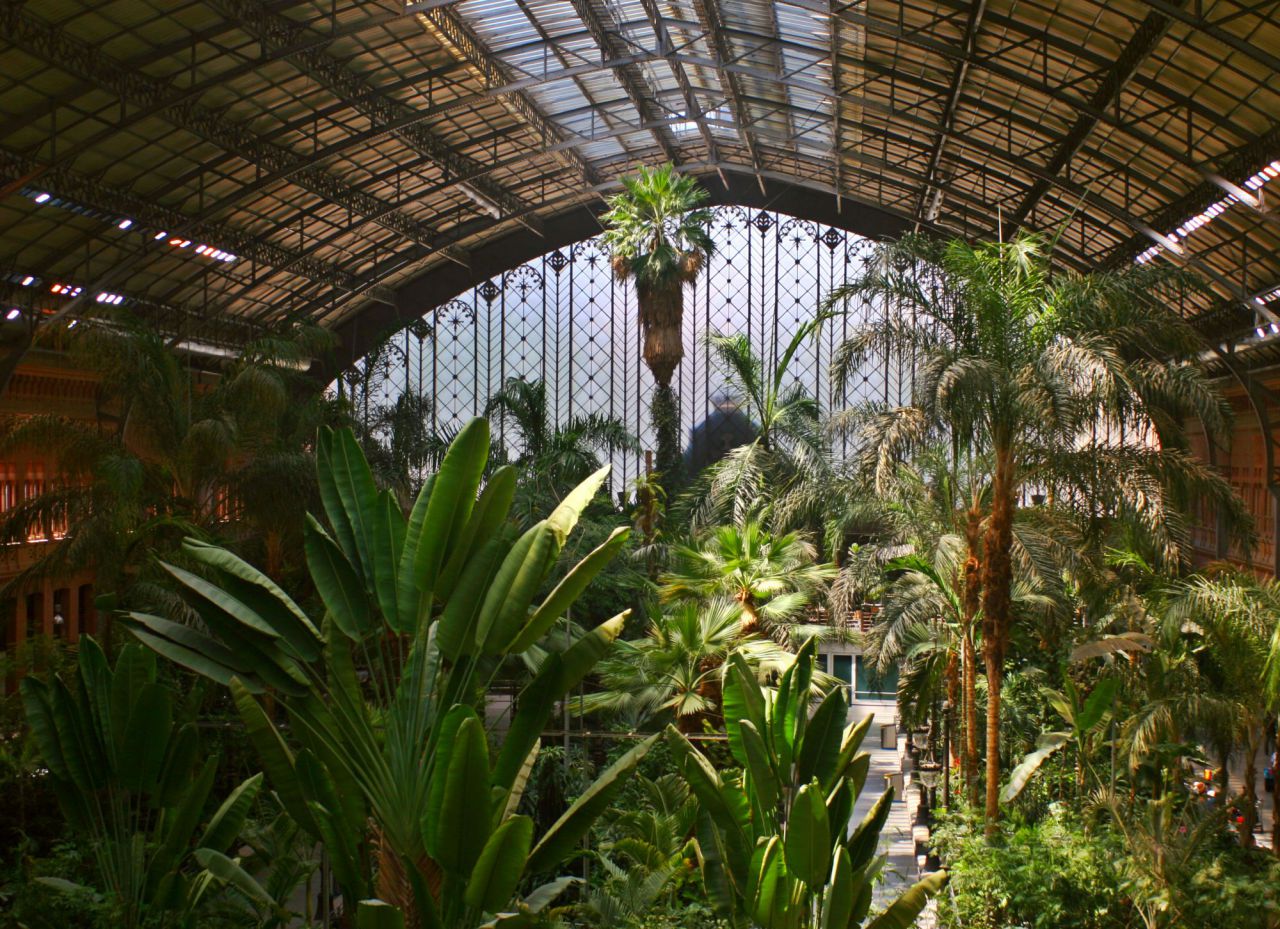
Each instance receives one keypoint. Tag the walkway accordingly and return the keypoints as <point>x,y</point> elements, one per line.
<point>896,842</point>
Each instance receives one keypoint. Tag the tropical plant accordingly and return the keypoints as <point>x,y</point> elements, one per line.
<point>174,452</point>
<point>658,235</point>
<point>123,752</point>
<point>675,672</point>
<point>553,458</point>
<point>1235,618</point>
<point>392,769</point>
<point>776,850</point>
<point>776,472</point>
<point>647,848</point>
<point>1078,384</point>
<point>771,579</point>
<point>1086,716</point>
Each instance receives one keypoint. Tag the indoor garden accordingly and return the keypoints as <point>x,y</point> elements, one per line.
<point>723,571</point>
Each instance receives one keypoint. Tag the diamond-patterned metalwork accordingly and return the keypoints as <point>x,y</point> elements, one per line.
<point>566,320</point>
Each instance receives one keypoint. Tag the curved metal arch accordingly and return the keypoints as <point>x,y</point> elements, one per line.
<point>419,296</point>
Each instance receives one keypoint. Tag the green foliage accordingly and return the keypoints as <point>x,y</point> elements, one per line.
<point>394,773</point>
<point>655,226</point>
<point>776,853</point>
<point>124,757</point>
<point>1046,875</point>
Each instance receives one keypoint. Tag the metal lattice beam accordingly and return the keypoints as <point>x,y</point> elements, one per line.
<point>1144,41</point>
<point>136,89</point>
<point>1238,164</point>
<point>712,21</point>
<point>926,210</point>
<point>103,198</point>
<point>612,46</point>
<point>294,41</point>
<point>667,49</point>
<point>452,32</point>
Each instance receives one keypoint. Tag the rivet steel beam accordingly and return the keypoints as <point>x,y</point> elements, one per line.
<point>294,41</point>
<point>612,46</point>
<point>1145,38</point>
<point>65,51</point>
<point>105,199</point>
<point>459,38</point>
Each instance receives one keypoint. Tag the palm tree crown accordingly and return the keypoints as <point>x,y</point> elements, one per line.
<point>1076,383</point>
<point>771,578</point>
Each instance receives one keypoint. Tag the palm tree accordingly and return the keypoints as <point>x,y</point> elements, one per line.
<point>674,672</point>
<point>771,579</point>
<point>1237,617</point>
<point>1075,383</point>
<point>658,235</point>
<point>775,473</point>
<point>553,458</point>
<point>175,451</point>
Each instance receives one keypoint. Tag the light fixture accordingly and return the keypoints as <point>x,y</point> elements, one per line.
<point>1260,332</point>
<point>124,224</point>
<point>42,198</point>
<point>159,235</point>
<point>13,314</point>
<point>72,324</point>
<point>28,281</point>
<point>113,299</point>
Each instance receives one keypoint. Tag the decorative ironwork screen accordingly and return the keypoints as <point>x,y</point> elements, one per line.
<point>564,319</point>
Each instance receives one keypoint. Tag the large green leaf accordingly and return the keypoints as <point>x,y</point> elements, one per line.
<point>231,873</point>
<point>742,699</point>
<point>146,738</point>
<point>218,598</point>
<point>377,914</point>
<point>775,906</point>
<point>197,662</point>
<point>225,826</point>
<point>521,575</point>
<point>261,594</point>
<point>180,825</point>
<point>1046,745</point>
<point>386,539</point>
<point>501,863</point>
<point>1097,705</point>
<point>862,844</point>
<point>761,767</point>
<point>808,837</point>
<point>456,629</point>
<point>837,899</point>
<point>38,707</point>
<point>820,744</point>
<point>558,674</point>
<point>351,476</point>
<point>849,747</point>
<point>337,582</point>
<point>902,913</point>
<point>569,589</point>
<point>565,516</point>
<point>408,596</point>
<point>453,495</point>
<point>565,833</point>
<point>488,518</point>
<point>456,822</point>
<point>274,755</point>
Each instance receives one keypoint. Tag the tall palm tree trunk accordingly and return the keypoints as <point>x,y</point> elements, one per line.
<point>972,604</point>
<point>1249,793</point>
<point>997,577</point>
<point>969,701</point>
<point>662,318</point>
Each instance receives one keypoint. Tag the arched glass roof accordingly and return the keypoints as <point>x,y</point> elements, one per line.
<point>234,164</point>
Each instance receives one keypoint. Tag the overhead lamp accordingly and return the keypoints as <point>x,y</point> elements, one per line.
<point>28,281</point>
<point>72,324</point>
<point>13,314</point>
<point>159,235</point>
<point>124,224</point>
<point>42,198</point>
